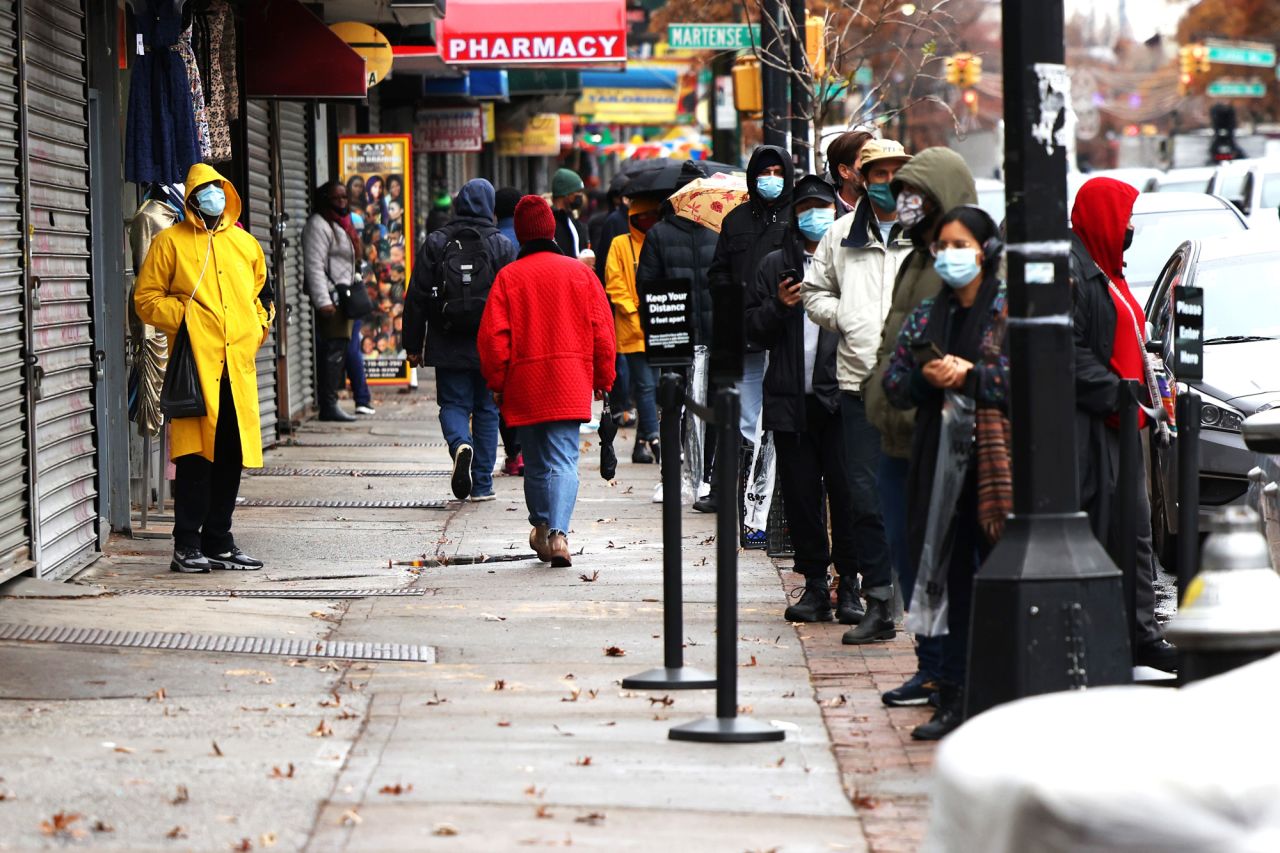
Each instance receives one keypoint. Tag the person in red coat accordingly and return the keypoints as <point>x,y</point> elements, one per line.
<point>547,348</point>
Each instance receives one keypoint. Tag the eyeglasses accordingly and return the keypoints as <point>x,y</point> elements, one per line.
<point>942,245</point>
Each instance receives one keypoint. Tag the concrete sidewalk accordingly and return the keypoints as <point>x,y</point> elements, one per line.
<point>519,734</point>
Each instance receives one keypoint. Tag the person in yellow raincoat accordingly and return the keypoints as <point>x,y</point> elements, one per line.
<point>620,284</point>
<point>211,272</point>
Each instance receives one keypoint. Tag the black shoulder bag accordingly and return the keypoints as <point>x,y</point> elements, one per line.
<point>180,395</point>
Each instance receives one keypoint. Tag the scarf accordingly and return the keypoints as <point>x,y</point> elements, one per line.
<point>345,221</point>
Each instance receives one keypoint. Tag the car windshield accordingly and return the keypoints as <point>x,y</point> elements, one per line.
<point>1198,185</point>
<point>1241,300</point>
<point>992,201</point>
<point>1156,235</point>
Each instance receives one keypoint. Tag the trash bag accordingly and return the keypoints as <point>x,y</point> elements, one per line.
<point>608,432</point>
<point>928,614</point>
<point>694,427</point>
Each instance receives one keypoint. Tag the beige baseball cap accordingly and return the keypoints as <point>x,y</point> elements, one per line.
<point>877,150</point>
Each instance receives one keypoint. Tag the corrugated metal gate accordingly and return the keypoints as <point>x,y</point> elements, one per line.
<point>13,417</point>
<point>295,156</point>
<point>60,337</point>
<point>258,115</point>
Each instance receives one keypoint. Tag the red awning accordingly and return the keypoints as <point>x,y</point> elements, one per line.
<point>290,53</point>
<point>517,32</point>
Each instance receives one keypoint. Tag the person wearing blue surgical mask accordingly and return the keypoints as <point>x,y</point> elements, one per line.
<point>953,344</point>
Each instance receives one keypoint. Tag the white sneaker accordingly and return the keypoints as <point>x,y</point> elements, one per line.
<point>366,410</point>
<point>657,494</point>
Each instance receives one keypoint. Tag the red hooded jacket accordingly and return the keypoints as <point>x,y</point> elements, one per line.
<point>546,339</point>
<point>1099,218</point>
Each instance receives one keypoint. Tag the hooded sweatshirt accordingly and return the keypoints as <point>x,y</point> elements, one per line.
<point>620,280</point>
<point>752,230</point>
<point>213,278</point>
<point>943,175</point>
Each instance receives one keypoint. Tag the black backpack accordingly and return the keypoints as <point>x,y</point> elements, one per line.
<point>463,280</point>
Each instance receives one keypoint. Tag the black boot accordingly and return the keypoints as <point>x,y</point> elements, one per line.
<point>876,626</point>
<point>641,454</point>
<point>333,377</point>
<point>815,604</point>
<point>947,718</point>
<point>849,609</point>
<point>706,503</point>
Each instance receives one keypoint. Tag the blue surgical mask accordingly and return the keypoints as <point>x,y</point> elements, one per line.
<point>957,267</point>
<point>769,186</point>
<point>211,200</point>
<point>815,221</point>
<point>881,196</point>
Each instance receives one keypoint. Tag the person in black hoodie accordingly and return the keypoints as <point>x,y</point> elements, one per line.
<point>751,231</point>
<point>468,415</point>
<point>802,409</point>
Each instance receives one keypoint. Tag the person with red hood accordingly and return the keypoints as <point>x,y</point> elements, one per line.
<point>546,343</point>
<point>1110,348</point>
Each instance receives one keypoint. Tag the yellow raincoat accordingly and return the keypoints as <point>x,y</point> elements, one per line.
<point>226,321</point>
<point>620,281</point>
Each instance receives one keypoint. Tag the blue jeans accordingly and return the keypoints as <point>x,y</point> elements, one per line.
<point>468,415</point>
<point>751,393</point>
<point>892,480</point>
<point>355,368</point>
<point>620,396</point>
<point>644,385</point>
<point>862,461</point>
<point>550,472</point>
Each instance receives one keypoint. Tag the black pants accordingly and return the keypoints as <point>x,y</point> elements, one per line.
<point>333,372</point>
<point>204,493</point>
<point>969,550</point>
<point>808,461</point>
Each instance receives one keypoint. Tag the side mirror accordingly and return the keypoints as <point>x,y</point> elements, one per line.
<point>1262,431</point>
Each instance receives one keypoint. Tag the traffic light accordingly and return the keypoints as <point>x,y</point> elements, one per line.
<point>1200,54</point>
<point>1186,62</point>
<point>972,72</point>
<point>748,94</point>
<point>815,43</point>
<point>971,101</point>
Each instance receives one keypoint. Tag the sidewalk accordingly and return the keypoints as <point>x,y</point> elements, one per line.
<point>518,735</point>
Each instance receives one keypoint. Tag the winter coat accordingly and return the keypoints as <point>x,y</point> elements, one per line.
<point>328,260</point>
<point>941,173</point>
<point>161,141</point>
<point>620,283</point>
<point>508,228</point>
<point>473,208</point>
<point>780,330</point>
<point>226,321</point>
<point>849,286</point>
<point>613,224</point>
<point>677,248</point>
<point>546,341</point>
<point>752,230</point>
<point>566,226</point>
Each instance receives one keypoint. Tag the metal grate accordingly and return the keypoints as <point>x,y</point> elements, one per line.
<point>294,648</point>
<point>285,471</point>
<point>338,504</point>
<point>268,593</point>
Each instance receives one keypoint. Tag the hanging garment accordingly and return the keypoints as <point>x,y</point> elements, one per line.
<point>223,91</point>
<point>198,109</point>
<point>150,348</point>
<point>161,141</point>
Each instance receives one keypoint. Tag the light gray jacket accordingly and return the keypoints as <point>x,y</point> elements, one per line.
<point>328,259</point>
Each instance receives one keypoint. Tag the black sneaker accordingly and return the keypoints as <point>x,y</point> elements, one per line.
<point>189,561</point>
<point>462,471</point>
<point>814,604</point>
<point>641,454</point>
<point>706,503</point>
<point>234,560</point>
<point>916,691</point>
<point>1159,654</point>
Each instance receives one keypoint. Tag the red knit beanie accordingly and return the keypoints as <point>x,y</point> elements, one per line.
<point>534,220</point>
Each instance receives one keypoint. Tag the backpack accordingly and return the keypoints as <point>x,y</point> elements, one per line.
<point>463,279</point>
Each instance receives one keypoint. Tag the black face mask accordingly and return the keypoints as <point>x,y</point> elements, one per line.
<point>1128,239</point>
<point>576,202</point>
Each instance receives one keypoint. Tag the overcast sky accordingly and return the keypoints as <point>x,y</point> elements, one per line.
<point>1145,16</point>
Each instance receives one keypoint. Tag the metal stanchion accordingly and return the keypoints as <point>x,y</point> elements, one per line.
<point>673,674</point>
<point>1188,489</point>
<point>726,726</point>
<point>1124,543</point>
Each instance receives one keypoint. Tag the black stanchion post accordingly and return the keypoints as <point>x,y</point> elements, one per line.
<point>726,726</point>
<point>1123,546</point>
<point>1188,412</point>
<point>673,674</point>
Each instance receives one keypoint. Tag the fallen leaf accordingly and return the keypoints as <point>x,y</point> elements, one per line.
<point>664,701</point>
<point>176,832</point>
<point>534,791</point>
<point>333,701</point>
<point>585,761</point>
<point>611,545</point>
<point>217,751</point>
<point>499,685</point>
<point>350,818</point>
<point>574,693</point>
<point>287,705</point>
<point>753,662</point>
<point>277,773</point>
<point>124,749</point>
<point>242,846</point>
<point>593,819</point>
<point>395,790</point>
<point>181,796</point>
<point>268,839</point>
<point>543,813</point>
<point>835,701</point>
<point>561,732</point>
<point>781,761</point>
<point>434,700</point>
<point>745,710</point>
<point>614,652</point>
<point>593,693</point>
<point>862,801</point>
<point>102,826</point>
<point>489,617</point>
<point>348,715</point>
<point>247,672</point>
<point>254,710</point>
<point>709,539</point>
<point>591,578</point>
<point>322,730</point>
<point>790,694</point>
<point>63,825</point>
<point>610,723</point>
<point>265,680</point>
<point>445,829</point>
<point>158,696</point>
<point>504,724</point>
<point>320,614</point>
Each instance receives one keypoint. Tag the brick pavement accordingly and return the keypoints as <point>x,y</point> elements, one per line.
<point>884,772</point>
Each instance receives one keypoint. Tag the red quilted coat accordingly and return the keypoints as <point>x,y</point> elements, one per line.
<point>546,341</point>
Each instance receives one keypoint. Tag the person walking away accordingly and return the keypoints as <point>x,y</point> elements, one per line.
<point>934,182</point>
<point>748,233</point>
<point>209,273</point>
<point>1110,347</point>
<point>965,323</point>
<point>603,229</point>
<point>504,209</point>
<point>848,290</point>
<point>802,409</point>
<point>844,163</point>
<point>447,296</point>
<point>679,248</point>
<point>620,285</point>
<point>546,344</point>
<point>567,198</point>
<point>330,253</point>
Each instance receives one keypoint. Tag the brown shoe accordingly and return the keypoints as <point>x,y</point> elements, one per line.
<point>538,542</point>
<point>558,551</point>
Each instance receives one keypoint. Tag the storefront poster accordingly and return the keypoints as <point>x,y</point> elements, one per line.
<point>449,130</point>
<point>538,137</point>
<point>628,106</point>
<point>379,177</point>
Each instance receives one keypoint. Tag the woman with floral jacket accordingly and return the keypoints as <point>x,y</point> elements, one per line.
<point>953,342</point>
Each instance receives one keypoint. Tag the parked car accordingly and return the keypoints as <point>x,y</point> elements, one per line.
<point>991,197</point>
<point>1254,187</point>
<point>1181,181</point>
<point>1163,220</point>
<point>1241,365</point>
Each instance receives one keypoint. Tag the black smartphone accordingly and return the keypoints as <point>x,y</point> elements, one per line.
<point>926,351</point>
<point>794,275</point>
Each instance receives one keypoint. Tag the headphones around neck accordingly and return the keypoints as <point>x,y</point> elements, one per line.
<point>992,246</point>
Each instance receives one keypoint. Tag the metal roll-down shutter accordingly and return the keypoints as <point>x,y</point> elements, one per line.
<point>295,157</point>
<point>260,207</point>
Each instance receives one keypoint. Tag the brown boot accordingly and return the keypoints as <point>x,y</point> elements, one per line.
<point>538,542</point>
<point>558,551</point>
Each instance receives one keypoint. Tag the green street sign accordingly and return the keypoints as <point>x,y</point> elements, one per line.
<point>1237,89</point>
<point>713,36</point>
<point>1235,54</point>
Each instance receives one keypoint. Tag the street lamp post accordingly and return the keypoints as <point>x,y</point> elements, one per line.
<point>773,73</point>
<point>801,96</point>
<point>1048,605</point>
